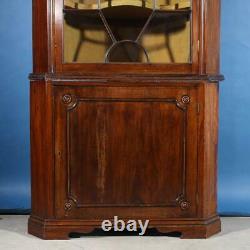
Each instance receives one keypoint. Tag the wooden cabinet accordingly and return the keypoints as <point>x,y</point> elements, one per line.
<point>114,135</point>
<point>124,147</point>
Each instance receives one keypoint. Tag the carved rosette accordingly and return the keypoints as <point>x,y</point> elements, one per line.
<point>182,104</point>
<point>183,203</point>
<point>185,99</point>
<point>68,206</point>
<point>69,100</point>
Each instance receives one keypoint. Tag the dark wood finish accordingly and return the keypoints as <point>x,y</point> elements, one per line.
<point>41,150</point>
<point>191,228</point>
<point>41,37</point>
<point>134,141</point>
<point>210,37</point>
<point>151,124</point>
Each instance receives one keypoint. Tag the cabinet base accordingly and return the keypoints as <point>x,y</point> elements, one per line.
<point>60,229</point>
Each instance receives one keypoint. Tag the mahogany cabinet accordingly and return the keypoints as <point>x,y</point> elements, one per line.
<point>124,115</point>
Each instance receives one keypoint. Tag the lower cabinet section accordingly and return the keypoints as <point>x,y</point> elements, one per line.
<point>127,151</point>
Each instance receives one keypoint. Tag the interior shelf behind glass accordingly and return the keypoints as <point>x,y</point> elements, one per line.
<point>126,31</point>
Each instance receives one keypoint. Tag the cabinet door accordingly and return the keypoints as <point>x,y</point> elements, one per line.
<point>126,151</point>
<point>131,35</point>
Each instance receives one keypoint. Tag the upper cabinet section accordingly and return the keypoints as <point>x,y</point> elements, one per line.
<point>127,31</point>
<point>126,36</point>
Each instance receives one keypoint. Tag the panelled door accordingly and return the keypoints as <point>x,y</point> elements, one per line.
<point>125,150</point>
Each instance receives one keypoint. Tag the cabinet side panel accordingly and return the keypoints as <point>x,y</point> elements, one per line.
<point>208,150</point>
<point>41,151</point>
<point>40,36</point>
<point>212,36</point>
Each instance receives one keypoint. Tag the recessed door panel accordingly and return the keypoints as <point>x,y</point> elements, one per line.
<point>121,152</point>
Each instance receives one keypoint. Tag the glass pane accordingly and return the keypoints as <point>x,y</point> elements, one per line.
<point>126,31</point>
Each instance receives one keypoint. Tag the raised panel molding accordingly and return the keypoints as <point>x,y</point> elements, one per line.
<point>72,102</point>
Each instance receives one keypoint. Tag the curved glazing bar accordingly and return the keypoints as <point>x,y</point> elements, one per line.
<point>117,43</point>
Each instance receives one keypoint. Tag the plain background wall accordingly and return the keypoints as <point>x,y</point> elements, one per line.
<point>234,144</point>
<point>15,65</point>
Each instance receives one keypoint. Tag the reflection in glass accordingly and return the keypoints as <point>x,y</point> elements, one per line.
<point>140,31</point>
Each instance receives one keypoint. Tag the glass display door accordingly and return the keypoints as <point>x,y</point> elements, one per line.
<point>127,31</point>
